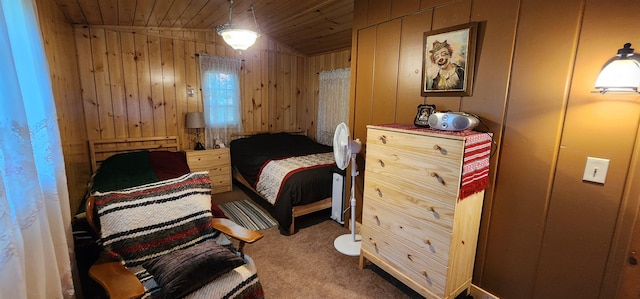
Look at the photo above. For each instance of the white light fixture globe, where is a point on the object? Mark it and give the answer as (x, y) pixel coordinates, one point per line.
(238, 38)
(621, 73)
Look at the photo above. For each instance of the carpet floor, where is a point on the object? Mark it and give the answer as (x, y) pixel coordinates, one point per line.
(306, 264)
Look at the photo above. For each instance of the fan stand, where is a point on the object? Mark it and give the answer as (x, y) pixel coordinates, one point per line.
(349, 244)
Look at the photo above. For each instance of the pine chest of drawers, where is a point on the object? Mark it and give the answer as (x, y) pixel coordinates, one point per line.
(415, 226)
(217, 162)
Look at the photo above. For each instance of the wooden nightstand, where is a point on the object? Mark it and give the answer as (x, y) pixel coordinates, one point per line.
(217, 162)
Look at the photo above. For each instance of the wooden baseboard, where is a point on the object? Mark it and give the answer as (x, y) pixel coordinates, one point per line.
(479, 293)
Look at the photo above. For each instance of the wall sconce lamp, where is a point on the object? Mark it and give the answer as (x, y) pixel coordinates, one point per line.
(621, 73)
(195, 120)
(238, 38)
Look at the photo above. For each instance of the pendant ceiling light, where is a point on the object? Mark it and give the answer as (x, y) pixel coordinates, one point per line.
(236, 37)
(621, 73)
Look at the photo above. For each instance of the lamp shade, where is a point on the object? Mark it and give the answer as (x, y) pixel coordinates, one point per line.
(195, 120)
(238, 39)
(621, 73)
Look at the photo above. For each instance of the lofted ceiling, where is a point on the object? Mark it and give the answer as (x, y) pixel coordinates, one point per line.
(308, 26)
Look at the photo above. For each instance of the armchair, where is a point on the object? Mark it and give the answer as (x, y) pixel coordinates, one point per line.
(113, 270)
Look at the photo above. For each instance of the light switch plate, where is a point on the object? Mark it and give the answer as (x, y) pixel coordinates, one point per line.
(596, 170)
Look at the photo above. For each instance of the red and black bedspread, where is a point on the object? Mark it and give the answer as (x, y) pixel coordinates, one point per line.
(251, 155)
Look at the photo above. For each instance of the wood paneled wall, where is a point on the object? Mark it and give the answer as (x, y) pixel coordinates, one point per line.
(136, 82)
(545, 233)
(58, 40)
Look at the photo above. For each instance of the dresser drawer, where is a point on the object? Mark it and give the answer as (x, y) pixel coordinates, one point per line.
(220, 175)
(438, 148)
(412, 199)
(433, 175)
(208, 159)
(412, 264)
(430, 240)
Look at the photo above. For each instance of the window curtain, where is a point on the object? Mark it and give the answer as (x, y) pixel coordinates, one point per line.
(35, 221)
(220, 77)
(333, 103)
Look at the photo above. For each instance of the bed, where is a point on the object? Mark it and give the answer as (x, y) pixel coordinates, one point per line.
(288, 170)
(147, 159)
(154, 164)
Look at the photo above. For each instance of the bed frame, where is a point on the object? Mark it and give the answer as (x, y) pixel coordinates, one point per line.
(101, 149)
(296, 211)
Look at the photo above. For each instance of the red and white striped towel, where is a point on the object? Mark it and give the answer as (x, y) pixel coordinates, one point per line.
(475, 168)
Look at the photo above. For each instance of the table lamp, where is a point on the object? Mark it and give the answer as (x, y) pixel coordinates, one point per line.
(195, 120)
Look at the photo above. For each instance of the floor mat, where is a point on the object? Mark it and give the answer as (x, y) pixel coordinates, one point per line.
(245, 213)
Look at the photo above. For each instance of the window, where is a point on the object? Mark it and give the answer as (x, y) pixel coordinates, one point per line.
(223, 99)
(220, 79)
(333, 106)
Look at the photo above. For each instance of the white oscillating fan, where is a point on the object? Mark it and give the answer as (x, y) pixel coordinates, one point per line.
(344, 149)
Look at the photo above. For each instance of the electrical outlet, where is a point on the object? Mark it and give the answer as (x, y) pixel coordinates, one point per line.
(595, 170)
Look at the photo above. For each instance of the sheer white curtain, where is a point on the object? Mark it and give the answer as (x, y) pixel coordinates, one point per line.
(35, 224)
(220, 77)
(333, 103)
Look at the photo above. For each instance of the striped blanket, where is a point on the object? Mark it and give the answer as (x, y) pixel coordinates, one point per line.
(239, 283)
(274, 173)
(144, 222)
(141, 223)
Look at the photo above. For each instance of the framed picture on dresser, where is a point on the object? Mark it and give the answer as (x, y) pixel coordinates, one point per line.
(422, 116)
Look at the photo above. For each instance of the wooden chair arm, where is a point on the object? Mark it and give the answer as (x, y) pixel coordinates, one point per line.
(119, 282)
(235, 231)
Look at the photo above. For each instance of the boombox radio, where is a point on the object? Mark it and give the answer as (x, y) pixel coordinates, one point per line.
(452, 121)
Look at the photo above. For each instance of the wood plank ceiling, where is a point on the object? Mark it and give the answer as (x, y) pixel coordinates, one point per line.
(308, 26)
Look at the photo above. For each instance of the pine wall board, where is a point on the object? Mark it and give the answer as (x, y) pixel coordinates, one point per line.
(58, 38)
(135, 82)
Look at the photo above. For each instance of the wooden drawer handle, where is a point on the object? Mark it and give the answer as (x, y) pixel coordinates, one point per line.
(427, 241)
(381, 162)
(379, 192)
(376, 219)
(440, 149)
(424, 273)
(432, 209)
(383, 139)
(438, 177)
(410, 257)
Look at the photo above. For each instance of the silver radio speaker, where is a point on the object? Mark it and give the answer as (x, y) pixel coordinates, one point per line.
(452, 121)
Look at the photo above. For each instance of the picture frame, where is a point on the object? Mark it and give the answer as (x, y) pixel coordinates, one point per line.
(448, 61)
(422, 116)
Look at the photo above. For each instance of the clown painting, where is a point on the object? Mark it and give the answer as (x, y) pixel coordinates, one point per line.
(448, 61)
